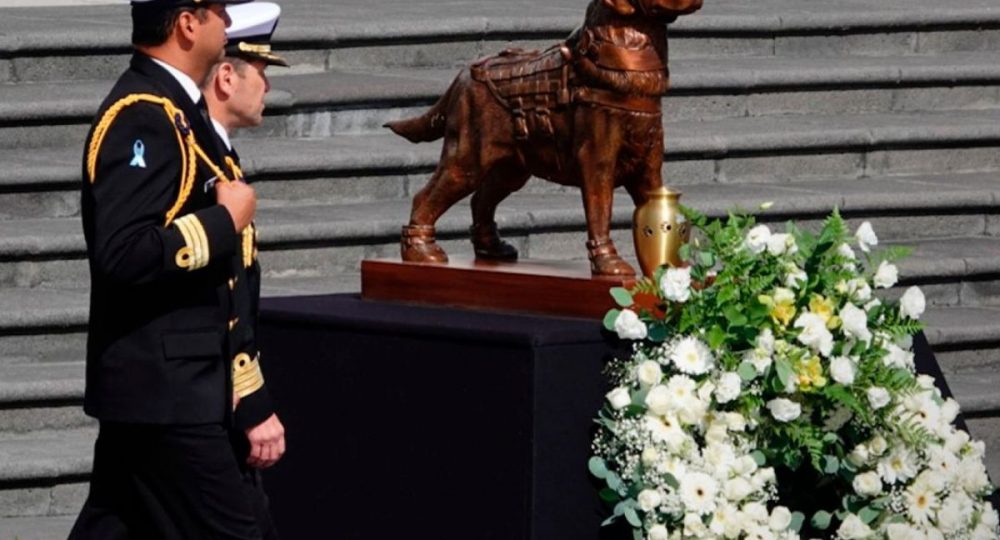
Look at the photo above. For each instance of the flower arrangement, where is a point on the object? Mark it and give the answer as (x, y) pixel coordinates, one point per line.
(770, 394)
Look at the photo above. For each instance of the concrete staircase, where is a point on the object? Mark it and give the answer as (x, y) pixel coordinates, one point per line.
(889, 110)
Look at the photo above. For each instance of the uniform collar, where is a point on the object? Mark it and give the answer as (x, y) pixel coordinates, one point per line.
(222, 134)
(186, 82)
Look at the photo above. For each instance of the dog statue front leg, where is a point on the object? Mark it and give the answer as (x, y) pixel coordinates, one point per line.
(598, 196)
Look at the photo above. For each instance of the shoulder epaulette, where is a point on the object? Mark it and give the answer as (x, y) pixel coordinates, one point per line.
(191, 152)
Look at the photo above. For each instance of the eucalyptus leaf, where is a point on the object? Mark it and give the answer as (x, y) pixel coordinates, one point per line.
(597, 467)
(831, 464)
(671, 481)
(622, 297)
(798, 518)
(610, 318)
(747, 371)
(759, 458)
(614, 481)
(784, 369)
(868, 514)
(821, 520)
(609, 495)
(632, 517)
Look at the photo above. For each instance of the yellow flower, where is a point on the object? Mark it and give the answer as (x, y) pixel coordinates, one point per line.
(783, 306)
(824, 307)
(810, 374)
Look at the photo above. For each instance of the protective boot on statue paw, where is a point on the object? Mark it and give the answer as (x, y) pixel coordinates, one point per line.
(605, 261)
(418, 244)
(488, 245)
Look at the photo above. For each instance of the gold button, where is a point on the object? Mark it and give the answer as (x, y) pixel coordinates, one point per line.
(233, 323)
(232, 283)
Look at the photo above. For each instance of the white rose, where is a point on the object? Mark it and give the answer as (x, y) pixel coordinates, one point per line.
(765, 341)
(735, 421)
(853, 528)
(619, 398)
(658, 532)
(949, 411)
(859, 456)
(859, 290)
(842, 370)
(729, 387)
(758, 238)
(795, 276)
(878, 397)
(913, 303)
(868, 484)
(814, 333)
(878, 445)
(756, 512)
(781, 519)
(760, 360)
(886, 276)
(865, 236)
(845, 251)
(649, 499)
(676, 284)
(901, 531)
(649, 373)
(659, 400)
(897, 357)
(855, 323)
(784, 410)
(737, 489)
(628, 325)
(781, 243)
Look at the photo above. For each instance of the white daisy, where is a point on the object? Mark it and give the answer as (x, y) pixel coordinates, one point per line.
(698, 491)
(693, 357)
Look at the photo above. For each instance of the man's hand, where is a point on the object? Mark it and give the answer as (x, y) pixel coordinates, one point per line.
(240, 199)
(267, 443)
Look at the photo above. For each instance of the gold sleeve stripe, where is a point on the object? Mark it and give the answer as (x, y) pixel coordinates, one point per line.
(195, 238)
(248, 245)
(247, 376)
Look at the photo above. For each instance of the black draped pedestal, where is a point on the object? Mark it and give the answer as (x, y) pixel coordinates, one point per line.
(418, 422)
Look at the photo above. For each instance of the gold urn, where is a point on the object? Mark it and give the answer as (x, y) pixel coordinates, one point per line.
(659, 229)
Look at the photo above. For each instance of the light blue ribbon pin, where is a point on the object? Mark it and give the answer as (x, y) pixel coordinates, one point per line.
(138, 151)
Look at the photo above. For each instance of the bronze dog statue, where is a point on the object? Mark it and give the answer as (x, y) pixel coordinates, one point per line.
(586, 112)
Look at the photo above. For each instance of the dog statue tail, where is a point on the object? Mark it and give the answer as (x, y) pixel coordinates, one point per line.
(427, 127)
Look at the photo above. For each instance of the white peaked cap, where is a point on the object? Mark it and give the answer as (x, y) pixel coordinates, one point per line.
(253, 20)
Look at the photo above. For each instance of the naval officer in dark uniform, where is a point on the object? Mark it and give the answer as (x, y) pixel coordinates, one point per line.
(234, 93)
(164, 221)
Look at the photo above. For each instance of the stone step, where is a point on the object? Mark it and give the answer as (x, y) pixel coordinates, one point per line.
(91, 42)
(42, 396)
(326, 239)
(39, 528)
(34, 115)
(778, 149)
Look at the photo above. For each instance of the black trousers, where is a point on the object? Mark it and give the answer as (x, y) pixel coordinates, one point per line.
(173, 483)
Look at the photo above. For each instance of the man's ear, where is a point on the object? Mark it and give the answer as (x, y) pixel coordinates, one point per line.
(225, 80)
(622, 7)
(187, 26)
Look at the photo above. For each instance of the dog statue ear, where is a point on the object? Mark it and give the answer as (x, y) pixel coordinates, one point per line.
(622, 7)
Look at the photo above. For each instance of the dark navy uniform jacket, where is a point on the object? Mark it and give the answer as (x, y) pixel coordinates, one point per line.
(166, 264)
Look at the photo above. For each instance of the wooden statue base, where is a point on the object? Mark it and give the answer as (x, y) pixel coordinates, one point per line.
(563, 288)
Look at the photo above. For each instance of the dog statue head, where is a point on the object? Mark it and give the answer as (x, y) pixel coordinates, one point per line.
(658, 9)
